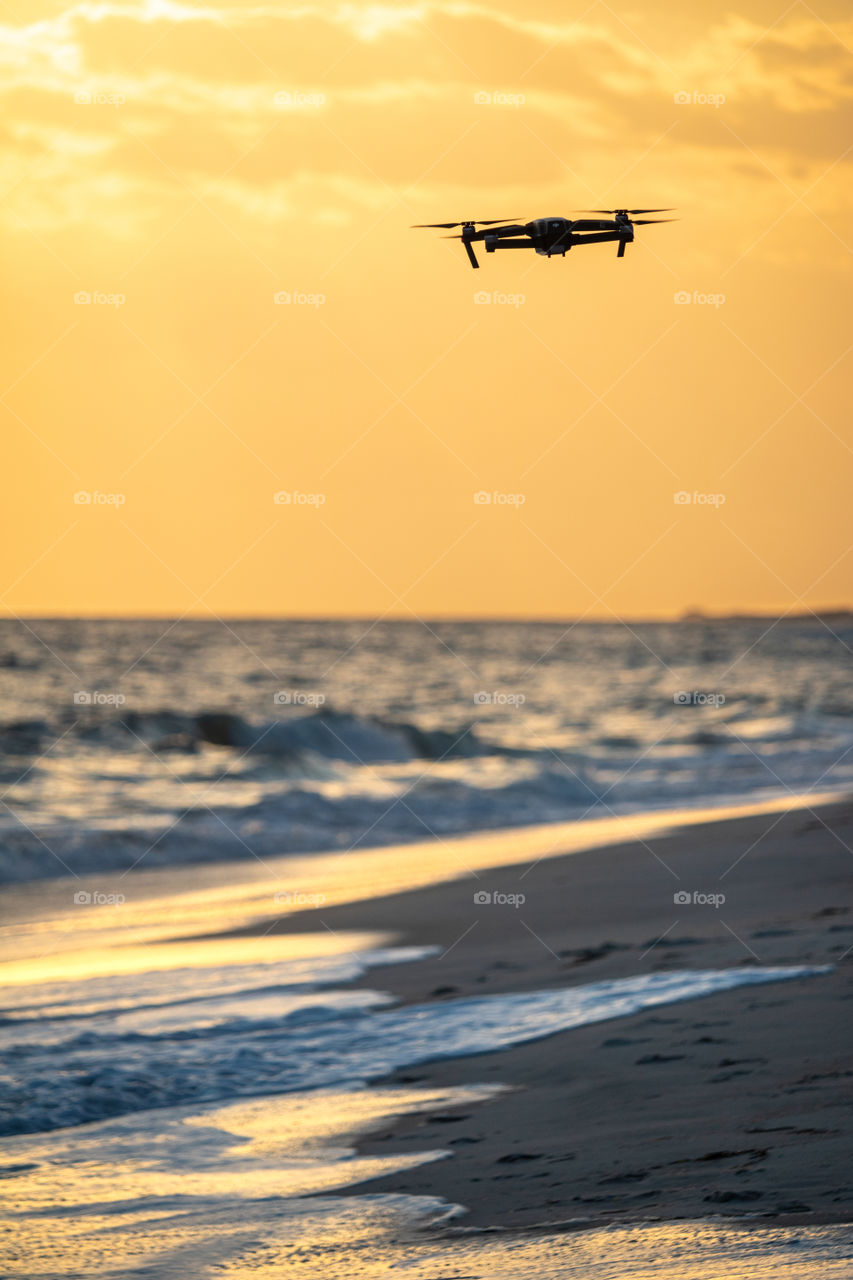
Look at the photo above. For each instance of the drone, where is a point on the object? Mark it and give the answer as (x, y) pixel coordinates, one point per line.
(549, 236)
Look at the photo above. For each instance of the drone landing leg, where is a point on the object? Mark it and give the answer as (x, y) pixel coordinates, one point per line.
(620, 252)
(471, 255)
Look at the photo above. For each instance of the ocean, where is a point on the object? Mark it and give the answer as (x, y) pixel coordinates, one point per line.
(172, 1100)
(158, 743)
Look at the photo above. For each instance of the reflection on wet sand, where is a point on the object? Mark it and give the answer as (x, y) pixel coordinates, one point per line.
(137, 1012)
(232, 1190)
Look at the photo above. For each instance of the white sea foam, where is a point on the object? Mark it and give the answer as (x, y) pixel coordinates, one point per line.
(422, 730)
(202, 1045)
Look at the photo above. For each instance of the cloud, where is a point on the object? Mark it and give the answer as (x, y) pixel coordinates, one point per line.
(382, 98)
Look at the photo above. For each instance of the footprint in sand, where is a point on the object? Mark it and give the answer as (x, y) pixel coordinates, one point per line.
(658, 1057)
(725, 1197)
(513, 1157)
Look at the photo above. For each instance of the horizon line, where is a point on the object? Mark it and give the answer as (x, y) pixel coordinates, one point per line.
(687, 615)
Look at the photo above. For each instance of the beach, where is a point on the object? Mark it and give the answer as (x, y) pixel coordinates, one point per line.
(735, 1105)
(637, 1036)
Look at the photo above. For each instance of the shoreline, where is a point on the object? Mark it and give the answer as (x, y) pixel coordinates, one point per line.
(710, 1132)
(734, 1104)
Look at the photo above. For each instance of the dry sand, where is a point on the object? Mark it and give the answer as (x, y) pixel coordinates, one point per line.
(736, 1104)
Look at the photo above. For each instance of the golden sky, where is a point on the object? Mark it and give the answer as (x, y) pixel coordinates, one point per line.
(183, 164)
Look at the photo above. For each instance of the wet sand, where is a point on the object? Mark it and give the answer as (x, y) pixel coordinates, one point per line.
(735, 1104)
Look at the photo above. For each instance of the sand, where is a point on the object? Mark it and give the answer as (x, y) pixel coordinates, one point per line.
(736, 1104)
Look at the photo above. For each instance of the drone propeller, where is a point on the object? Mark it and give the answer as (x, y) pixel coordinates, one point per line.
(650, 222)
(625, 210)
(447, 226)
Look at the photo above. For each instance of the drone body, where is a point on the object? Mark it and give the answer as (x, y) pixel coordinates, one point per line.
(550, 236)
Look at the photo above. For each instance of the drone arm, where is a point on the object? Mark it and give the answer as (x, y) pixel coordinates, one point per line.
(598, 237)
(594, 224)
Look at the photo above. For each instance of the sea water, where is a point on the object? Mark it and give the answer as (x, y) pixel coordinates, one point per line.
(174, 1108)
(157, 743)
